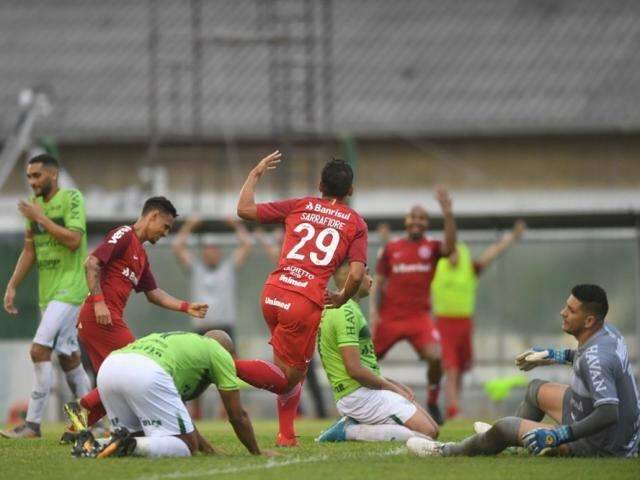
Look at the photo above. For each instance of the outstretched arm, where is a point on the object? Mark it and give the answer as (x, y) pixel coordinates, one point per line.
(242, 251)
(180, 244)
(161, 298)
(25, 261)
(450, 232)
(495, 250)
(247, 208)
(272, 249)
(375, 299)
(239, 420)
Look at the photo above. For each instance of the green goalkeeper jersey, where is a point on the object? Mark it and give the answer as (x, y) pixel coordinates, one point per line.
(61, 273)
(193, 361)
(341, 327)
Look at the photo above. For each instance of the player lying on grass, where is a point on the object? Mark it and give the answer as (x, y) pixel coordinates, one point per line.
(374, 408)
(143, 387)
(597, 415)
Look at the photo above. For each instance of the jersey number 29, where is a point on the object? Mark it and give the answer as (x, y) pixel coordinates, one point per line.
(326, 248)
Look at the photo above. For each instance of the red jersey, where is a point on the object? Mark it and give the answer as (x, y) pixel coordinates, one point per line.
(124, 267)
(409, 267)
(319, 235)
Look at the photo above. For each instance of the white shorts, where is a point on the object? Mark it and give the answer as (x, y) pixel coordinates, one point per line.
(57, 329)
(139, 395)
(373, 407)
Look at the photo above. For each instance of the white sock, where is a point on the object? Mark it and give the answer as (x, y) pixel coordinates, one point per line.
(161, 447)
(78, 381)
(42, 381)
(379, 433)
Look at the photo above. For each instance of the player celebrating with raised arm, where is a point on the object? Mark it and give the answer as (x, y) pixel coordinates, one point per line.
(117, 266)
(374, 408)
(143, 388)
(56, 238)
(598, 414)
(454, 298)
(320, 234)
(400, 302)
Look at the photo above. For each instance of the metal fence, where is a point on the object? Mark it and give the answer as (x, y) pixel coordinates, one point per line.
(166, 69)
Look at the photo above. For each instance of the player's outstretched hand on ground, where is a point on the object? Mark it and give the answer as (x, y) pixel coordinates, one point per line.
(9, 297)
(539, 440)
(268, 163)
(198, 310)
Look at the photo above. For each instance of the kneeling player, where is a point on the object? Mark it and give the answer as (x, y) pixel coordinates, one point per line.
(374, 408)
(598, 414)
(143, 387)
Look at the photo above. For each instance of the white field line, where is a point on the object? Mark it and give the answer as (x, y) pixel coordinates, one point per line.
(271, 463)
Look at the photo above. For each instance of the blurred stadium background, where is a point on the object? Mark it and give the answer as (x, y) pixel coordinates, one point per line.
(523, 108)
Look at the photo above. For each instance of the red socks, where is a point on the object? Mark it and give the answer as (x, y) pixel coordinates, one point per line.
(267, 376)
(263, 375)
(287, 411)
(92, 402)
(433, 392)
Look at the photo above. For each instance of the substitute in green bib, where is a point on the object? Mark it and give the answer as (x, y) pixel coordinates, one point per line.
(454, 300)
(374, 408)
(143, 387)
(55, 240)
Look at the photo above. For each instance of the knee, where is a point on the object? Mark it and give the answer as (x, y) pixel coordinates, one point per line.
(39, 353)
(69, 362)
(506, 428)
(531, 396)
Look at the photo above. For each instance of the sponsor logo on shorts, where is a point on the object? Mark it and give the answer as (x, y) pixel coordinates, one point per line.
(292, 281)
(411, 268)
(277, 303)
(151, 423)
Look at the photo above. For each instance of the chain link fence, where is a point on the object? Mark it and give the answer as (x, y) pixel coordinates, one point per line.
(159, 69)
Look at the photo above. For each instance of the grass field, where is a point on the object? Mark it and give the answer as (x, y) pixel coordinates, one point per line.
(45, 459)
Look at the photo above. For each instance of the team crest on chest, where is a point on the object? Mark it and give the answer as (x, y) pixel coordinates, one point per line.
(424, 252)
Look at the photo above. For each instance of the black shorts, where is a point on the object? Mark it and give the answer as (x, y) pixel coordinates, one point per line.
(581, 447)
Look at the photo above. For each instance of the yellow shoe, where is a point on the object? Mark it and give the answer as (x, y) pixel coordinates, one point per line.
(77, 415)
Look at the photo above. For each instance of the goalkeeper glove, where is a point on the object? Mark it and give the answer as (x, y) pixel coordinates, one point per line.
(540, 440)
(537, 357)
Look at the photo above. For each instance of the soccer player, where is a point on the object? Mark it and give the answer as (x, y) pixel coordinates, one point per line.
(320, 233)
(598, 414)
(213, 278)
(454, 297)
(116, 267)
(56, 239)
(374, 408)
(400, 305)
(144, 385)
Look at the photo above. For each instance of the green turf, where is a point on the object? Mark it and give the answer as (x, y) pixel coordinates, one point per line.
(45, 459)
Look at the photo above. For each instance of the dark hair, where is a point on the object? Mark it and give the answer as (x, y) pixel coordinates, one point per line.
(161, 204)
(46, 160)
(593, 298)
(337, 178)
